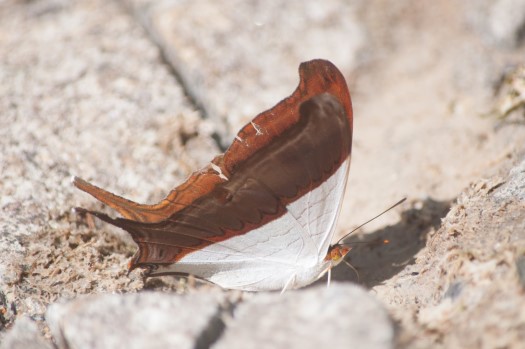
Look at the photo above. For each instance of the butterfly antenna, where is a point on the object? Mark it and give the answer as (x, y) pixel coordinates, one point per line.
(370, 220)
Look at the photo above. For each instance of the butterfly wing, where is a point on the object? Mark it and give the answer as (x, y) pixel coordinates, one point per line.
(318, 210)
(270, 202)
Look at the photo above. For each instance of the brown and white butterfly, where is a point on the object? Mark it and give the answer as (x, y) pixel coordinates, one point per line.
(262, 215)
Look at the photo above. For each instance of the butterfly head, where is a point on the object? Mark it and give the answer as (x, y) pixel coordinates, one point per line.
(337, 253)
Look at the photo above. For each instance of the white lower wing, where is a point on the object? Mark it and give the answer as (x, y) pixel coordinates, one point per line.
(265, 258)
(318, 210)
(247, 275)
(281, 240)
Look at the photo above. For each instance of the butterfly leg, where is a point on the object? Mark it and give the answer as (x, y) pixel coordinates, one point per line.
(354, 269)
(288, 284)
(328, 277)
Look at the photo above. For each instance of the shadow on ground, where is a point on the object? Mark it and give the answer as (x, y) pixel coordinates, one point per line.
(377, 261)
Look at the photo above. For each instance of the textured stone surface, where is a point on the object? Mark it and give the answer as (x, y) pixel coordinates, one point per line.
(501, 23)
(468, 270)
(239, 58)
(143, 320)
(512, 188)
(84, 91)
(342, 316)
(24, 335)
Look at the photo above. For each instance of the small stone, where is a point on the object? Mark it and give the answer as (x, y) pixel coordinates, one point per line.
(512, 188)
(24, 335)
(143, 320)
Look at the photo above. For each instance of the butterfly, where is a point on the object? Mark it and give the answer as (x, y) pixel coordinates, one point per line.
(262, 215)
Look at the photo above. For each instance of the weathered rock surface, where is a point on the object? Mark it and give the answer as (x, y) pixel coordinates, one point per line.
(142, 320)
(467, 279)
(341, 316)
(501, 23)
(240, 57)
(25, 334)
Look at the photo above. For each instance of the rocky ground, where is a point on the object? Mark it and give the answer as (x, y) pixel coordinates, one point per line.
(134, 95)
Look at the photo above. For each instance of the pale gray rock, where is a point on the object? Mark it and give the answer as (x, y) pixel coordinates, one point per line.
(342, 316)
(501, 22)
(24, 335)
(238, 58)
(513, 187)
(143, 320)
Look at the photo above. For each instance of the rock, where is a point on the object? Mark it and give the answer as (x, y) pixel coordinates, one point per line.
(500, 23)
(342, 316)
(512, 188)
(244, 56)
(24, 335)
(143, 320)
(471, 268)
